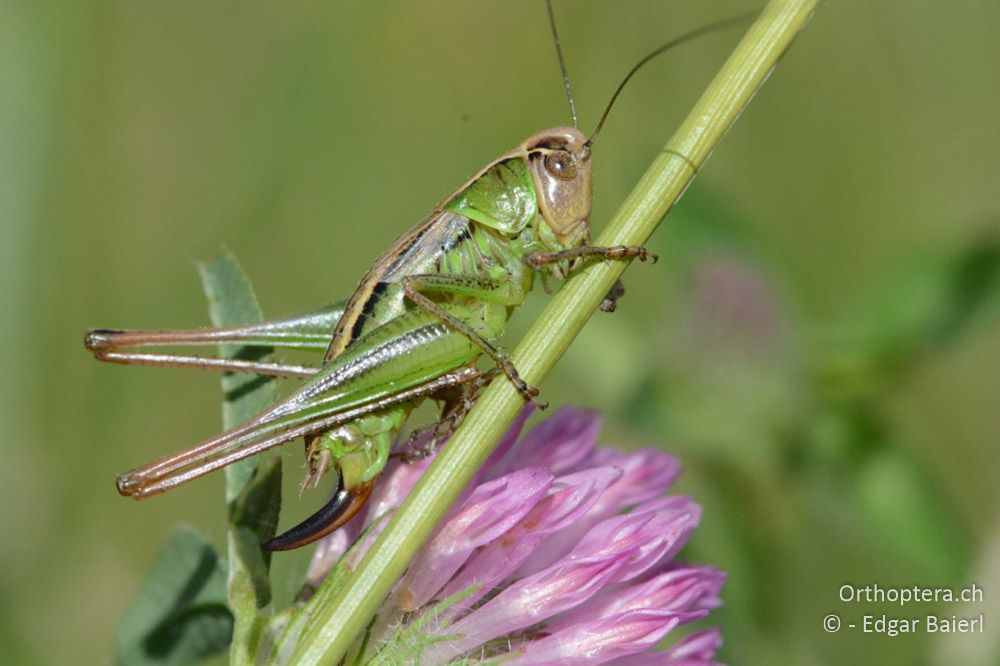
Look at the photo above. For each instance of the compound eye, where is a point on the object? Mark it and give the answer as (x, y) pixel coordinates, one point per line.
(561, 165)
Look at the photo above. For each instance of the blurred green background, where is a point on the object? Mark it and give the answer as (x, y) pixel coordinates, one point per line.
(819, 342)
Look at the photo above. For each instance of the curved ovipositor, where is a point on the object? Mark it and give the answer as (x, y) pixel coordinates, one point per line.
(343, 506)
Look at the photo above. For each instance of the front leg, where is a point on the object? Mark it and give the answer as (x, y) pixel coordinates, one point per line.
(495, 291)
(540, 259)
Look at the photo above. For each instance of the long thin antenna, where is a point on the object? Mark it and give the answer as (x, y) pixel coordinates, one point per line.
(715, 26)
(562, 64)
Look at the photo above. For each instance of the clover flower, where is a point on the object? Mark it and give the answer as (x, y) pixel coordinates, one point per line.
(559, 552)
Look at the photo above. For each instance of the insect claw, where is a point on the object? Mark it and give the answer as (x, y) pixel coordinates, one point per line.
(527, 390)
(343, 506)
(637, 251)
(530, 393)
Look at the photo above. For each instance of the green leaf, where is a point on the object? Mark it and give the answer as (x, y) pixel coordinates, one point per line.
(179, 614)
(231, 301)
(253, 489)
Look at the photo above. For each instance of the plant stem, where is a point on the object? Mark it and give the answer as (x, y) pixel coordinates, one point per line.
(339, 622)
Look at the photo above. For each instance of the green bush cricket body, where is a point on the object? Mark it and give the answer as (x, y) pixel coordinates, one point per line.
(414, 328)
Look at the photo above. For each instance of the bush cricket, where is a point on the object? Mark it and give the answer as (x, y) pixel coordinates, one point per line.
(431, 305)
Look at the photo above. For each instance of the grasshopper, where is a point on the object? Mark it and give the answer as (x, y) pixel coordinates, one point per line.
(414, 328)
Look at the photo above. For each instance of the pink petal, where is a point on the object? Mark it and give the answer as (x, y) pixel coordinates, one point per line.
(491, 509)
(618, 549)
(569, 497)
(528, 602)
(658, 528)
(600, 641)
(697, 649)
(499, 462)
(561, 441)
(614, 528)
(645, 475)
(680, 589)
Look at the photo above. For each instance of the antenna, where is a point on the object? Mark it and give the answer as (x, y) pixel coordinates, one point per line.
(715, 26)
(562, 64)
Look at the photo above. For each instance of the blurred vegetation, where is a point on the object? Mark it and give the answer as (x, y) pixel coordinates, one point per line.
(818, 342)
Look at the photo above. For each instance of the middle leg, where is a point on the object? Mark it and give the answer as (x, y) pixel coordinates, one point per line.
(416, 287)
